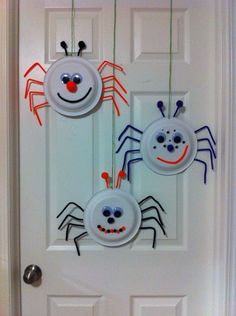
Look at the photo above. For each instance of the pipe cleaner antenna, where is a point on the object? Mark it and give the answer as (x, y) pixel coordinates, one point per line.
(121, 175)
(105, 176)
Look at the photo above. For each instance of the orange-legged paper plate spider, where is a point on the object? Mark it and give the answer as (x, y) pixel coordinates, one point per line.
(113, 217)
(72, 86)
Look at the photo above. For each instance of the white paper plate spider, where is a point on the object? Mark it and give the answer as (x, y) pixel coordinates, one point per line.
(112, 217)
(73, 86)
(168, 146)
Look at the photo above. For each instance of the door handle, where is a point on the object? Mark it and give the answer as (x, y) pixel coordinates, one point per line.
(32, 274)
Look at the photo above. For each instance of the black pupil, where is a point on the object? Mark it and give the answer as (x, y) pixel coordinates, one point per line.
(160, 139)
(77, 79)
(106, 213)
(177, 139)
(117, 214)
(65, 79)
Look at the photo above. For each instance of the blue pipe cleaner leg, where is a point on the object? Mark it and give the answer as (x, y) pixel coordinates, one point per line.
(205, 169)
(129, 163)
(126, 128)
(126, 138)
(69, 216)
(209, 131)
(210, 153)
(69, 226)
(210, 144)
(154, 234)
(76, 239)
(126, 155)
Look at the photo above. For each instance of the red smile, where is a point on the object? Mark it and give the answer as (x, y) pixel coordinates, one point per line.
(171, 162)
(111, 230)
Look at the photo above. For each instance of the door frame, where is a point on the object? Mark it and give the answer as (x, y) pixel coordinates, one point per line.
(9, 160)
(225, 214)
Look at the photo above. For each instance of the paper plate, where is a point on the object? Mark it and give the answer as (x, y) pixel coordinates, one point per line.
(88, 88)
(168, 146)
(112, 217)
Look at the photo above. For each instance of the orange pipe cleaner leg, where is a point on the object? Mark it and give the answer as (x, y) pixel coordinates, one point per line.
(108, 63)
(110, 97)
(28, 84)
(35, 110)
(31, 98)
(113, 78)
(112, 88)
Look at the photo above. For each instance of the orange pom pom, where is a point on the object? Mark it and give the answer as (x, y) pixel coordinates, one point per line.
(105, 175)
(122, 174)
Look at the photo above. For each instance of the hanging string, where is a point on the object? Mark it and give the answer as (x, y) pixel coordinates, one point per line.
(170, 58)
(72, 27)
(113, 108)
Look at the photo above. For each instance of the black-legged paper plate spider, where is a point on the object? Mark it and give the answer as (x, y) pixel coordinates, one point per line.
(113, 217)
(169, 145)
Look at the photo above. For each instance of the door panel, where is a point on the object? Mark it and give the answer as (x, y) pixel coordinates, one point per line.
(62, 161)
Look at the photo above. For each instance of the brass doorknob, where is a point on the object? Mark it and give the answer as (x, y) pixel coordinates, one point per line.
(32, 274)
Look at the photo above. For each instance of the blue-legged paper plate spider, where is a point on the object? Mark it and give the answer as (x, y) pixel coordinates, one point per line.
(112, 217)
(168, 146)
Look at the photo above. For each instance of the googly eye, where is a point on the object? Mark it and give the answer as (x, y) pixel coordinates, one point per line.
(77, 78)
(161, 137)
(106, 211)
(177, 138)
(65, 78)
(118, 212)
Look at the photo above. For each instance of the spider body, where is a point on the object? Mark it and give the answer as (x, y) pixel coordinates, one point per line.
(112, 217)
(168, 146)
(72, 86)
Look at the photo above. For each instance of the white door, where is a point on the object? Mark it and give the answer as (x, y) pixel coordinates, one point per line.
(62, 161)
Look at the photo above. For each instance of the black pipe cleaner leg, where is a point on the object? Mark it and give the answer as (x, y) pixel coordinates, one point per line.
(70, 203)
(156, 220)
(69, 227)
(76, 239)
(157, 211)
(150, 197)
(69, 216)
(154, 234)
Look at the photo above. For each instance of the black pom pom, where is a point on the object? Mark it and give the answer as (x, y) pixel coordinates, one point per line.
(64, 45)
(81, 45)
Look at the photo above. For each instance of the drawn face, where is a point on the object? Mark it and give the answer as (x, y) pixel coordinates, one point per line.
(168, 146)
(112, 217)
(72, 86)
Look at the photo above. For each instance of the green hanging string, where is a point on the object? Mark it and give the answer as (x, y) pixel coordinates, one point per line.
(72, 27)
(113, 108)
(170, 58)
